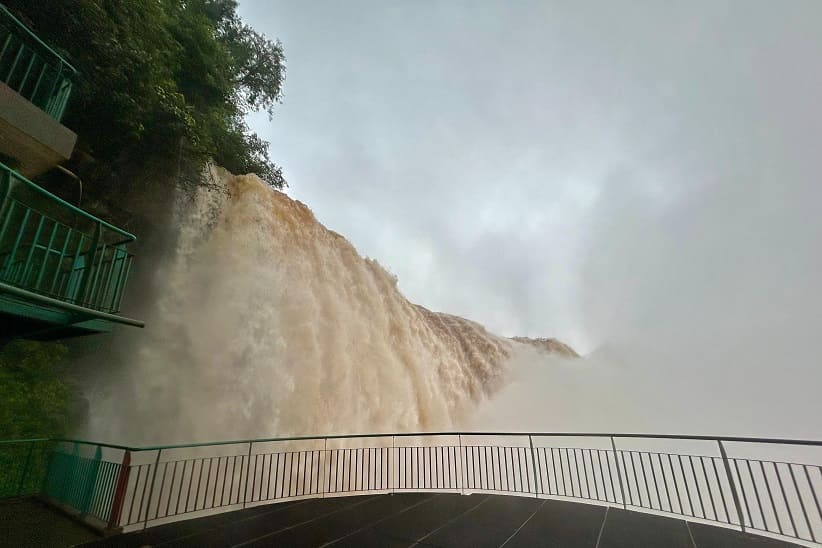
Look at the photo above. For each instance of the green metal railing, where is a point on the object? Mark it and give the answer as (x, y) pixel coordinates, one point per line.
(54, 249)
(73, 474)
(33, 69)
(85, 482)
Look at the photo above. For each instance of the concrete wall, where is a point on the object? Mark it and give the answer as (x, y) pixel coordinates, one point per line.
(36, 141)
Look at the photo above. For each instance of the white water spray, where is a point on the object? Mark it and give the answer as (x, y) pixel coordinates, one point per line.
(270, 324)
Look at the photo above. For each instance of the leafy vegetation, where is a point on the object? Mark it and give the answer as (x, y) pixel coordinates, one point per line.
(35, 396)
(160, 82)
(160, 76)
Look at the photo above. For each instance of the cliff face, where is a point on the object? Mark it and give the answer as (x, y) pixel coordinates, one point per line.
(549, 346)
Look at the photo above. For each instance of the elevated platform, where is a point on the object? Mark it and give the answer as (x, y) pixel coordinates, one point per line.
(444, 520)
(62, 271)
(34, 141)
(35, 86)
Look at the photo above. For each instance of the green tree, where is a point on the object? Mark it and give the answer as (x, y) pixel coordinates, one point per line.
(36, 398)
(155, 75)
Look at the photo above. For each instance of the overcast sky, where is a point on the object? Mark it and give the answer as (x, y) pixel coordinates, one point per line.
(590, 171)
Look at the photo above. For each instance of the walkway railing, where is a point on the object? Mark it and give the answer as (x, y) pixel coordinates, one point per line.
(51, 248)
(33, 69)
(763, 486)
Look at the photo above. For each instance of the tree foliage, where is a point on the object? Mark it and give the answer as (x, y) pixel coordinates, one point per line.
(35, 397)
(158, 73)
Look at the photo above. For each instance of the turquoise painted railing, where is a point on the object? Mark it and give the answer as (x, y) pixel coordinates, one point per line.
(84, 482)
(33, 69)
(74, 475)
(52, 248)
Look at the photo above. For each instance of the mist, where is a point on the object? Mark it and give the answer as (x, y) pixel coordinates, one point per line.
(640, 181)
(708, 309)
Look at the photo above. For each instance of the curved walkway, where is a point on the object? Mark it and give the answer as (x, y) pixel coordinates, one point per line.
(435, 519)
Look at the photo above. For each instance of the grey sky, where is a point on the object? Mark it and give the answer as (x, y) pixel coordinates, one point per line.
(592, 171)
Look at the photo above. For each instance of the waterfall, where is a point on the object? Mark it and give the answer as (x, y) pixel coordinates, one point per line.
(267, 323)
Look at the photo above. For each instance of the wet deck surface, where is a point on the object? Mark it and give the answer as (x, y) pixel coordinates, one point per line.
(424, 519)
(28, 523)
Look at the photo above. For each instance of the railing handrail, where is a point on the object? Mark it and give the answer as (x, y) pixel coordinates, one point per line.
(24, 440)
(730, 439)
(109, 487)
(74, 209)
(37, 39)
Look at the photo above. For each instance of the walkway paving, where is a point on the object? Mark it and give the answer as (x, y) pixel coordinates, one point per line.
(29, 523)
(444, 520)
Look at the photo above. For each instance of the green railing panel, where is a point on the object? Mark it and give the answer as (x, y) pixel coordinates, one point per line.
(82, 481)
(33, 69)
(52, 248)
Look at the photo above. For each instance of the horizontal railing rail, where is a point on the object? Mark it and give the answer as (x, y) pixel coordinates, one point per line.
(52, 248)
(32, 68)
(759, 485)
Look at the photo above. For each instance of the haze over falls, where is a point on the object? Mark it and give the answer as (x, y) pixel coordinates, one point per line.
(271, 324)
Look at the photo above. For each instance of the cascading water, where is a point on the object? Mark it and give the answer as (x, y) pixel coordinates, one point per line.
(270, 324)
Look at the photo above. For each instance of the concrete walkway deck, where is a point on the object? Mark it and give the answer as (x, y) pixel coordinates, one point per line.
(444, 520)
(29, 523)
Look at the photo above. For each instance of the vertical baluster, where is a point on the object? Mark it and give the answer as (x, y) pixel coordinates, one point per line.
(708, 485)
(59, 266)
(801, 504)
(46, 256)
(698, 490)
(245, 485)
(785, 498)
(602, 475)
(121, 286)
(13, 253)
(151, 489)
(731, 482)
(98, 266)
(6, 44)
(537, 475)
(619, 474)
(743, 491)
(9, 213)
(813, 490)
(721, 490)
(43, 69)
(17, 57)
(32, 58)
(27, 264)
(120, 492)
(756, 493)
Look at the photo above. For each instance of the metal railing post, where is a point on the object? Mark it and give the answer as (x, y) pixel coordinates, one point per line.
(151, 489)
(732, 483)
(247, 466)
(463, 471)
(90, 481)
(619, 475)
(21, 485)
(534, 466)
(322, 471)
(51, 450)
(325, 461)
(89, 266)
(393, 468)
(119, 497)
